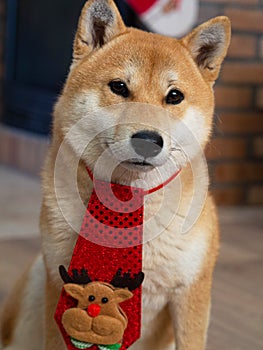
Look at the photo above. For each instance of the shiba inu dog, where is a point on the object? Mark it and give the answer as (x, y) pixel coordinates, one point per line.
(126, 84)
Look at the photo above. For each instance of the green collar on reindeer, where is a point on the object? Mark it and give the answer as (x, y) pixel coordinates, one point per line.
(82, 345)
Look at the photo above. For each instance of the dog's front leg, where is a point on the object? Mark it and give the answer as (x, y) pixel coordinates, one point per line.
(190, 310)
(53, 338)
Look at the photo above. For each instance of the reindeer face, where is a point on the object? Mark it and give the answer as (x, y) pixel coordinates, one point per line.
(101, 296)
(98, 318)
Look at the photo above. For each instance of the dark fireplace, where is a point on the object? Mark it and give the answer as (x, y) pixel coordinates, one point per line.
(38, 54)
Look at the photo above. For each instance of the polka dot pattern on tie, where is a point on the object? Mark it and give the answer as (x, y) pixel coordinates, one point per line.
(118, 228)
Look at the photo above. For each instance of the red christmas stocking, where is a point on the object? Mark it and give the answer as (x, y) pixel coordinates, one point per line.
(168, 17)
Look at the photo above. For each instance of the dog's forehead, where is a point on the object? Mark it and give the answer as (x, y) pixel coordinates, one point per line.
(153, 61)
(141, 50)
(138, 51)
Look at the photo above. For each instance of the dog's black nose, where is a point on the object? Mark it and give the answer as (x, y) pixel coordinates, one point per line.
(147, 143)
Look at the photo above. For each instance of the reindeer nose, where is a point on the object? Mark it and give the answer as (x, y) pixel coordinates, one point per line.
(93, 310)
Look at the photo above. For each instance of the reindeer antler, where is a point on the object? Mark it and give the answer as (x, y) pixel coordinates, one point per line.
(126, 281)
(77, 278)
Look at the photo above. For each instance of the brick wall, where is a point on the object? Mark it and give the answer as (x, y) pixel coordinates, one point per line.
(236, 151)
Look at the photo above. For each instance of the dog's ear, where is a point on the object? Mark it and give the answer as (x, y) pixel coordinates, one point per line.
(208, 45)
(100, 22)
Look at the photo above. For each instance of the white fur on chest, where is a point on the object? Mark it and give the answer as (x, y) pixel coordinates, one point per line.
(170, 261)
(171, 258)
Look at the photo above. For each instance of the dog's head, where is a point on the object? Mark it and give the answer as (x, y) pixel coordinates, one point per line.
(140, 102)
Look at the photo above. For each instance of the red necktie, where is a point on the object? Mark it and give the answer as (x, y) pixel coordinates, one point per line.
(107, 256)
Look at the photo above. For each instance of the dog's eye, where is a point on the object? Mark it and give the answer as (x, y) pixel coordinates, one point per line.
(91, 298)
(104, 300)
(118, 87)
(174, 97)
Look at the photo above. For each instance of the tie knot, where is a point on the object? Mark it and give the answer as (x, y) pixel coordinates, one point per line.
(118, 198)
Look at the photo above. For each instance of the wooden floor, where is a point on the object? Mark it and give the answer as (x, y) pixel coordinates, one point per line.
(237, 311)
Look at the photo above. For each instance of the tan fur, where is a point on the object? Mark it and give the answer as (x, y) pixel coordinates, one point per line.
(178, 267)
(25, 310)
(11, 310)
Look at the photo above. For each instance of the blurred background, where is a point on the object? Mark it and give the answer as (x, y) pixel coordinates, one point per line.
(35, 53)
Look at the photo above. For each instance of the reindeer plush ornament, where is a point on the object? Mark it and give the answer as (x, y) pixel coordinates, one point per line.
(97, 318)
